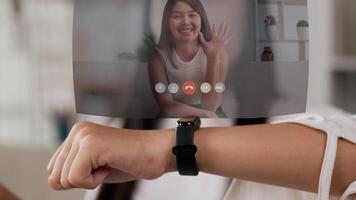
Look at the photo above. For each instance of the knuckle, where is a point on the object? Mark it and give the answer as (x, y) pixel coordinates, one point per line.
(83, 131)
(49, 168)
(80, 126)
(87, 141)
(65, 183)
(53, 183)
(74, 180)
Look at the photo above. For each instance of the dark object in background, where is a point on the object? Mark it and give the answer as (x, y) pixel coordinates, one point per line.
(251, 121)
(64, 122)
(118, 191)
(267, 55)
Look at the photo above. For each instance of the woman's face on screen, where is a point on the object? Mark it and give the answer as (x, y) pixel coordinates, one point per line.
(184, 23)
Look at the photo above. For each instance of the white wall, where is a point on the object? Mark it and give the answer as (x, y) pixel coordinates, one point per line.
(104, 29)
(320, 18)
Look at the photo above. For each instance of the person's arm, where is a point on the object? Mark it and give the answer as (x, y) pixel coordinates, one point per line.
(217, 64)
(287, 155)
(168, 105)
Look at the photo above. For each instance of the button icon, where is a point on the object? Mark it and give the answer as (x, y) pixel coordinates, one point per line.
(205, 88)
(173, 88)
(160, 88)
(189, 87)
(220, 87)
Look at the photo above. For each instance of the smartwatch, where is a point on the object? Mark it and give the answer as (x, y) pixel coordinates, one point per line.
(185, 149)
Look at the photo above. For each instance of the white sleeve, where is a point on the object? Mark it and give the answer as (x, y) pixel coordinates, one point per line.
(338, 125)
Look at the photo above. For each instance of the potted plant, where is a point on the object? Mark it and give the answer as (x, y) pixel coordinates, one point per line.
(303, 30)
(271, 28)
(147, 47)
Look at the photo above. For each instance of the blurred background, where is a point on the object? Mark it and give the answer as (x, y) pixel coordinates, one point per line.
(36, 84)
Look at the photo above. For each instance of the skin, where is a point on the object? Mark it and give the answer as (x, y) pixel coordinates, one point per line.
(5, 194)
(185, 27)
(286, 154)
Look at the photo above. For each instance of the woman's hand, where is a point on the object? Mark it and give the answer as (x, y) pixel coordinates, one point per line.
(93, 154)
(217, 44)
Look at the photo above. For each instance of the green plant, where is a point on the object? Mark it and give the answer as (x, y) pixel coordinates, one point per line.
(145, 50)
(302, 23)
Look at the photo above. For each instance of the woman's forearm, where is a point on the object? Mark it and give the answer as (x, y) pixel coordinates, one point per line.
(212, 100)
(287, 155)
(224, 66)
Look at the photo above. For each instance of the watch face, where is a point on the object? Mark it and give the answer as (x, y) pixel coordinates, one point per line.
(189, 121)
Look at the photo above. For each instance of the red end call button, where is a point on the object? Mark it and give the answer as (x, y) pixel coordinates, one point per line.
(189, 87)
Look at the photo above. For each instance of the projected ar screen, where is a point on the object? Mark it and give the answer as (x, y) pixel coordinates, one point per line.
(180, 58)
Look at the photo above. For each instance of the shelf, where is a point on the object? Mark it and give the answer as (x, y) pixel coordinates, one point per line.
(283, 41)
(285, 2)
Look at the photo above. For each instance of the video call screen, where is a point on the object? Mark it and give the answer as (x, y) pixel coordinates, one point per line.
(183, 58)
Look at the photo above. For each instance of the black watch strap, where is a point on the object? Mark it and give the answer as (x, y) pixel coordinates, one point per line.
(185, 149)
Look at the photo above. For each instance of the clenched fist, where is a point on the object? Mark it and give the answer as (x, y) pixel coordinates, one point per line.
(94, 154)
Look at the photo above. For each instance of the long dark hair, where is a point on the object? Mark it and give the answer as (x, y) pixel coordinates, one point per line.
(166, 38)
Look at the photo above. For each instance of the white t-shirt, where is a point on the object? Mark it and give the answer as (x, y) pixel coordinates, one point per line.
(193, 70)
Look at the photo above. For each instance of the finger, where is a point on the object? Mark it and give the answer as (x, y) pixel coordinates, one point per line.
(54, 158)
(228, 38)
(220, 30)
(202, 39)
(227, 33)
(81, 172)
(66, 167)
(54, 178)
(214, 30)
(226, 30)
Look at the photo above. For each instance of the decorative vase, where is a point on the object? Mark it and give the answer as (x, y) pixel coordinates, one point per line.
(267, 55)
(303, 33)
(271, 32)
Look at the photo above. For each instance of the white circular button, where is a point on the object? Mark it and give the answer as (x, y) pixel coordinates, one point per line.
(205, 88)
(173, 88)
(160, 88)
(220, 87)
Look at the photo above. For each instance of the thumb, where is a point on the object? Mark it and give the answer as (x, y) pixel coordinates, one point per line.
(100, 174)
(202, 39)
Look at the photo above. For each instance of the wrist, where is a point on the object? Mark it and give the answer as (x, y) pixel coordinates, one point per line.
(169, 138)
(145, 154)
(213, 57)
(160, 145)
